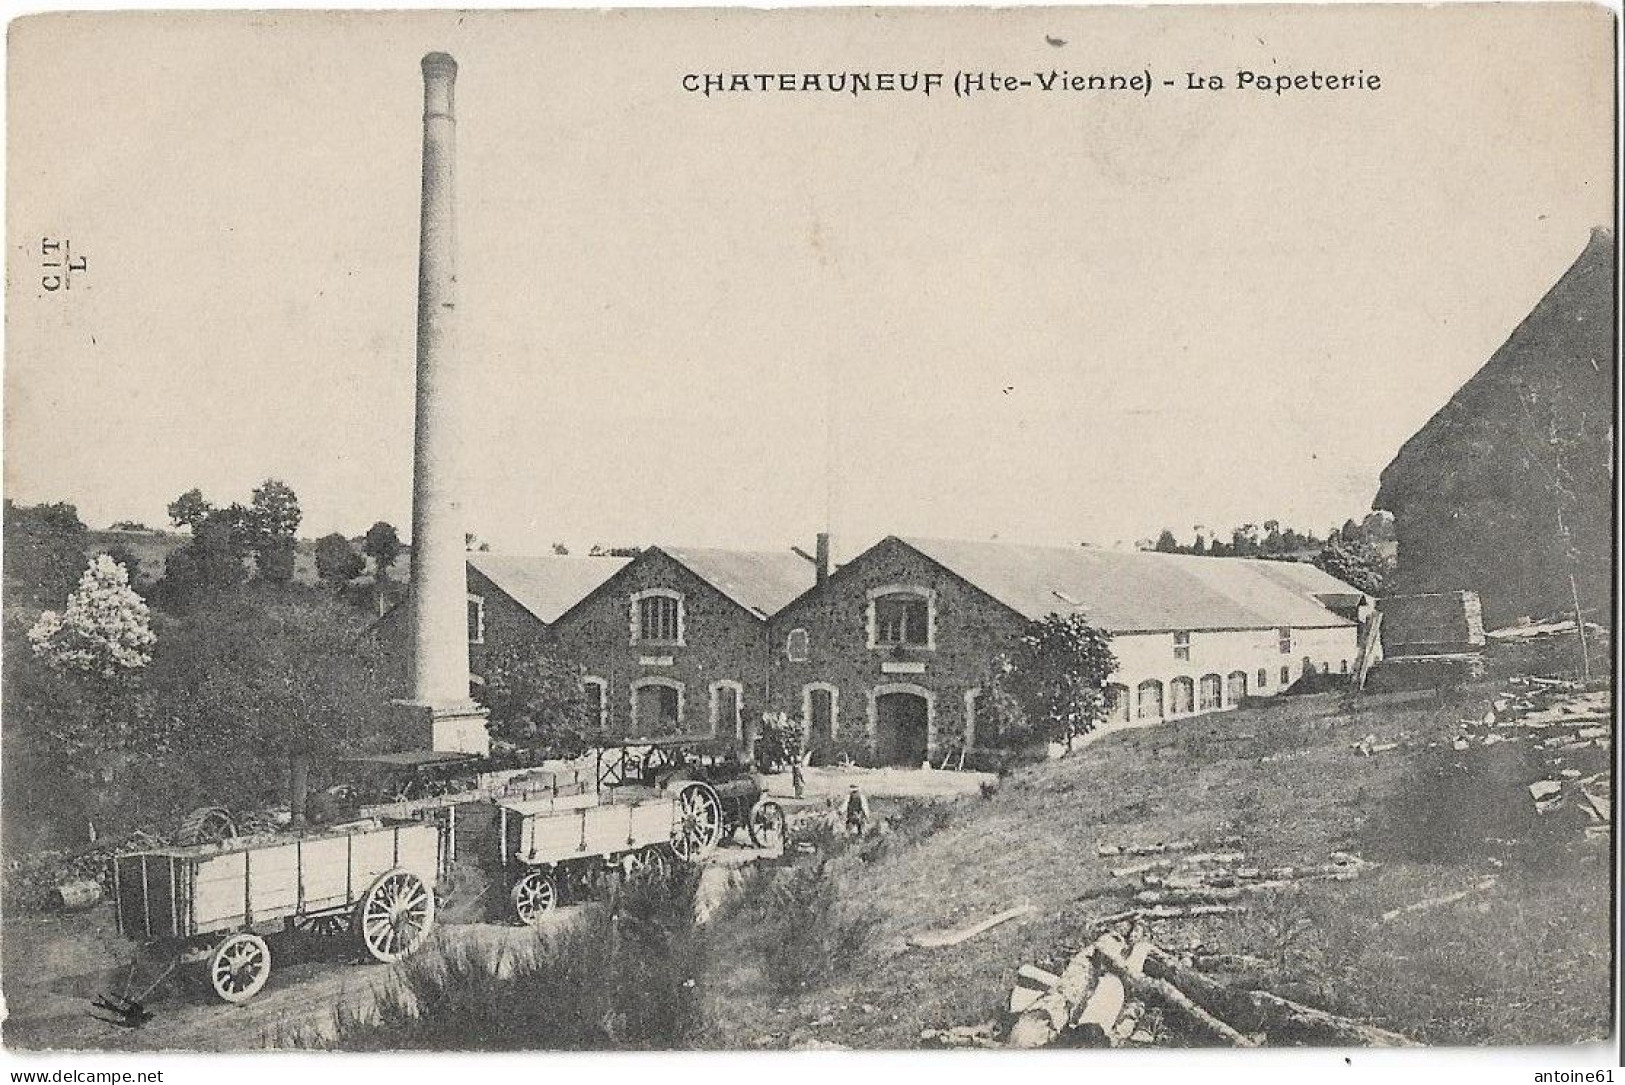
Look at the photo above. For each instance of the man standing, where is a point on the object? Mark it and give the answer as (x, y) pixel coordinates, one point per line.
(857, 811)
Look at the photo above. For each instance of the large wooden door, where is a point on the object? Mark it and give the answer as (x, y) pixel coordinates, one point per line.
(901, 728)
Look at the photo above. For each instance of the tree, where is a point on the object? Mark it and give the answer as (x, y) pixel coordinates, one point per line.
(534, 699)
(106, 629)
(275, 510)
(210, 563)
(44, 553)
(271, 523)
(336, 559)
(189, 509)
(382, 544)
(1166, 543)
(1360, 565)
(1058, 675)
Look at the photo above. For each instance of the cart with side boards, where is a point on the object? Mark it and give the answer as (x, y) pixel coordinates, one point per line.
(212, 904)
(552, 847)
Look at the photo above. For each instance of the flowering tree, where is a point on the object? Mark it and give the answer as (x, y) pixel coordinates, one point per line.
(106, 630)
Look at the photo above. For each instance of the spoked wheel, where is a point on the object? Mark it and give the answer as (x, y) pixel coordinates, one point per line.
(651, 862)
(395, 915)
(699, 821)
(533, 896)
(207, 825)
(239, 967)
(767, 827)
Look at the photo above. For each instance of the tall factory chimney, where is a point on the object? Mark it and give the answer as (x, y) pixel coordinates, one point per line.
(439, 710)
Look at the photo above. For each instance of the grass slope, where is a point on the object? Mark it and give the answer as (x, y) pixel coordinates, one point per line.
(1525, 962)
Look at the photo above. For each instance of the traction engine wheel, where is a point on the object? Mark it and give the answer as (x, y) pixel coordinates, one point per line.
(239, 967)
(395, 915)
(699, 820)
(533, 896)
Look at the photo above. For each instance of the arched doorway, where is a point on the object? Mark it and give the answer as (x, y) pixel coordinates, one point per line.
(1117, 703)
(1181, 697)
(902, 728)
(657, 707)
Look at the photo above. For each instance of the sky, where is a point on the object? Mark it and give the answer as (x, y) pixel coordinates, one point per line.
(736, 320)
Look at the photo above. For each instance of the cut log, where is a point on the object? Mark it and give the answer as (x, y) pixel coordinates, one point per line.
(1217, 998)
(1149, 987)
(1437, 902)
(1128, 1022)
(1294, 1023)
(1189, 911)
(1141, 868)
(1097, 1017)
(938, 939)
(1050, 1016)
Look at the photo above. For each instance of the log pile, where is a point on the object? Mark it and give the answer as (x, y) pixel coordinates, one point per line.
(1186, 879)
(1124, 990)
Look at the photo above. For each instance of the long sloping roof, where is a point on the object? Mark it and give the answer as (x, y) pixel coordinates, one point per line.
(1138, 591)
(761, 581)
(547, 585)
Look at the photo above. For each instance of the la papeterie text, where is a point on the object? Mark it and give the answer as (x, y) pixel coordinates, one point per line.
(972, 83)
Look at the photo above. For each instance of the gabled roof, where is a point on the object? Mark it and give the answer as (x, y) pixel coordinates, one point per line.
(761, 581)
(1139, 591)
(547, 585)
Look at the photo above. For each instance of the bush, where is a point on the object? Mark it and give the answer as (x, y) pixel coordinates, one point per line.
(798, 925)
(625, 977)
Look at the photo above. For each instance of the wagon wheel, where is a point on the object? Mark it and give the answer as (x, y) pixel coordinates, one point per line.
(395, 915)
(207, 825)
(699, 821)
(653, 862)
(767, 827)
(239, 967)
(533, 896)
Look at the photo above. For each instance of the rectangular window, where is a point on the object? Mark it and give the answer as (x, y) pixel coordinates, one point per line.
(1263, 678)
(476, 620)
(657, 618)
(901, 619)
(1182, 645)
(1284, 638)
(1286, 676)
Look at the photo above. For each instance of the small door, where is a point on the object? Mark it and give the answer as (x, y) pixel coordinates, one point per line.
(1236, 687)
(725, 712)
(820, 718)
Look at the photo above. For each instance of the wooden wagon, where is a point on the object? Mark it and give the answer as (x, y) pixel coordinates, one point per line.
(552, 846)
(212, 904)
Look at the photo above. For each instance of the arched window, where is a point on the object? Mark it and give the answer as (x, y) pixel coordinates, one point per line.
(657, 617)
(902, 617)
(1148, 700)
(1210, 693)
(1117, 703)
(1181, 697)
(1236, 687)
(796, 646)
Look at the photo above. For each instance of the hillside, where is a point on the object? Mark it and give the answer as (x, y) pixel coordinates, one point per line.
(1524, 962)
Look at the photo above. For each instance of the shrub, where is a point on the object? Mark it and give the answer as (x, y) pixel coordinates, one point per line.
(626, 976)
(798, 925)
